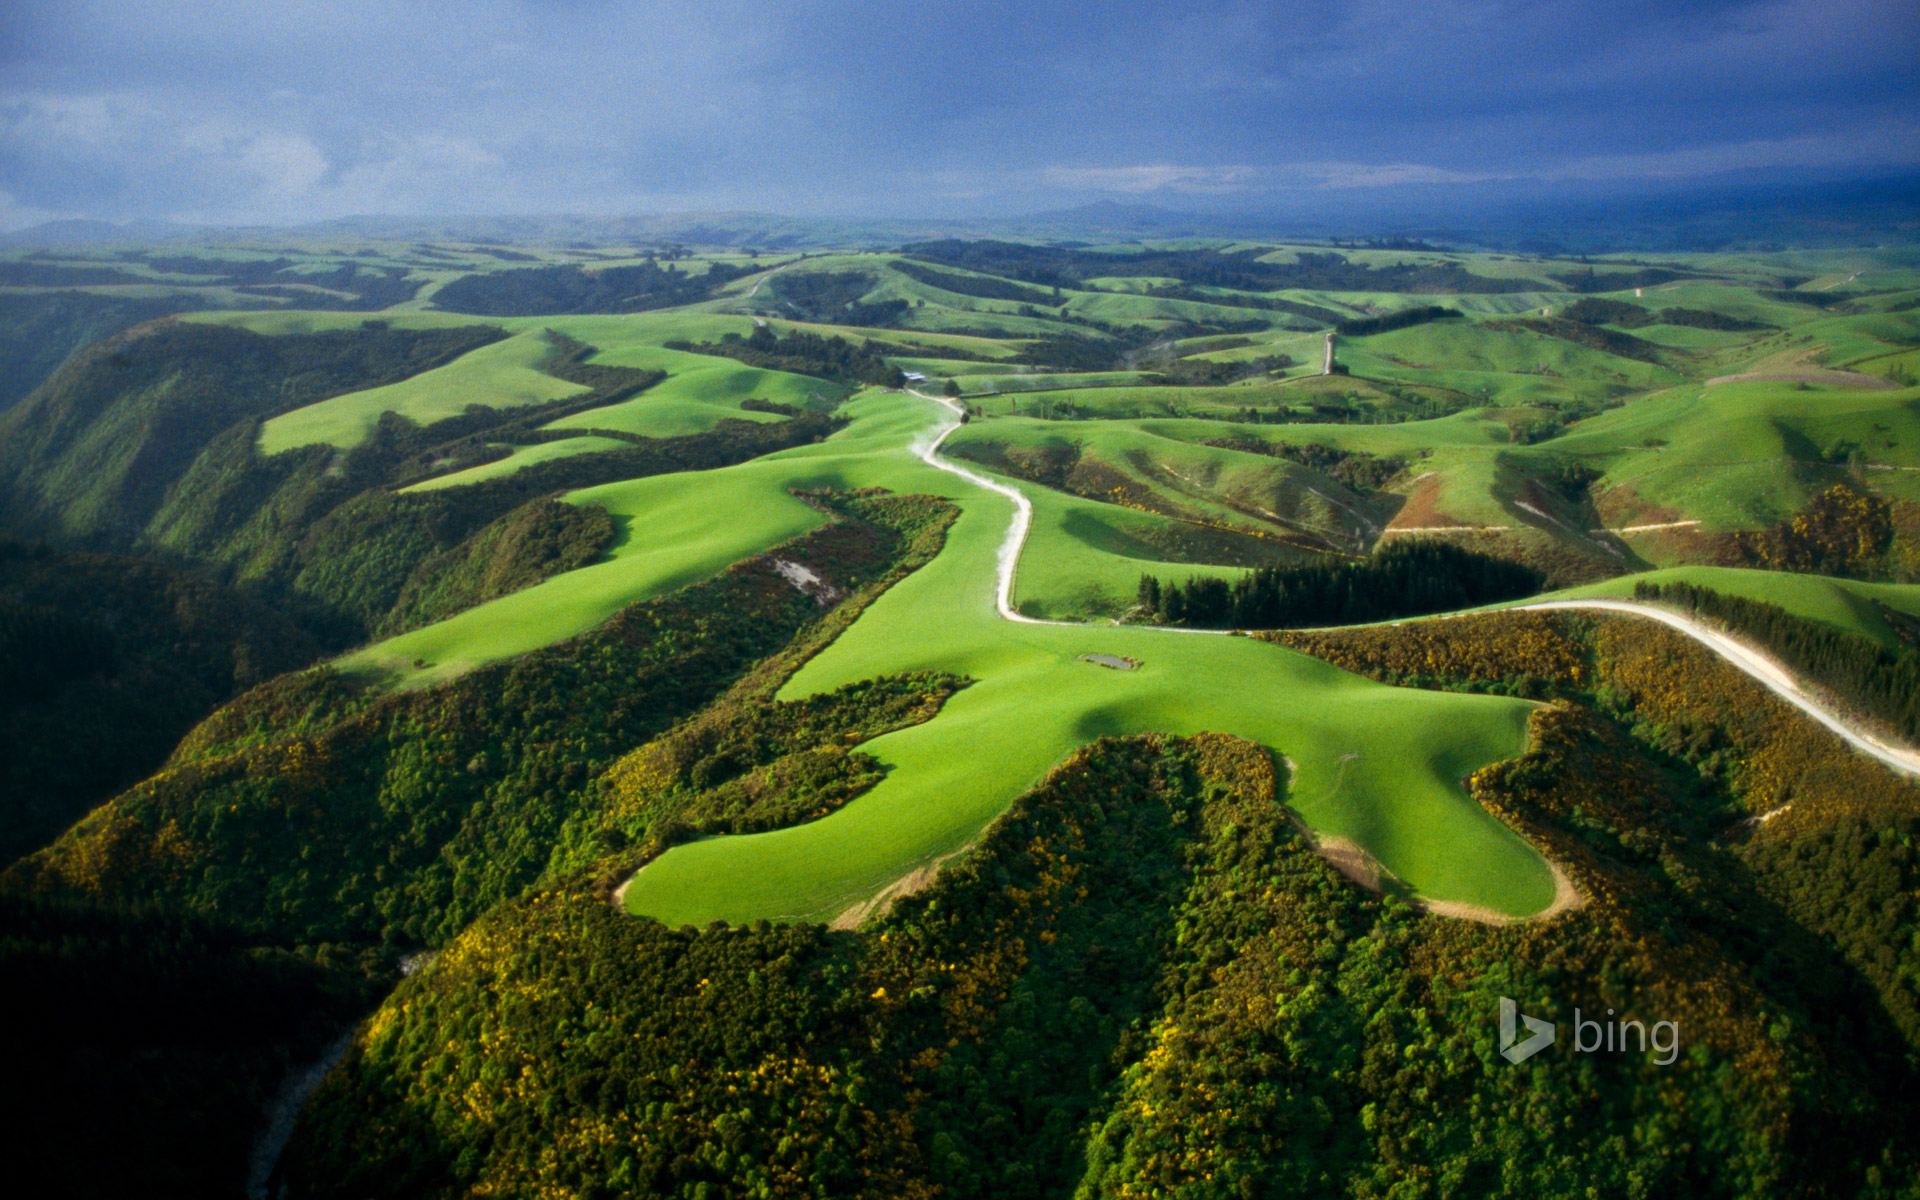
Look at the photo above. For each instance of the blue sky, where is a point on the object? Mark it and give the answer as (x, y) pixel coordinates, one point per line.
(255, 111)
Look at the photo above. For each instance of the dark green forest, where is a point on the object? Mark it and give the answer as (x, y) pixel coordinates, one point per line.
(146, 444)
(1881, 681)
(803, 353)
(141, 1044)
(1408, 578)
(223, 860)
(1402, 319)
(397, 817)
(92, 642)
(1062, 266)
(549, 291)
(1144, 982)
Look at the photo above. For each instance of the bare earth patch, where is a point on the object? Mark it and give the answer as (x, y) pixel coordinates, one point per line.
(916, 880)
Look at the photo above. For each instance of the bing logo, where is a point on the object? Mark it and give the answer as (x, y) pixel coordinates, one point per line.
(1539, 1033)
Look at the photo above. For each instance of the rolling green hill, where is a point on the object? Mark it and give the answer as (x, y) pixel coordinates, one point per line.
(668, 698)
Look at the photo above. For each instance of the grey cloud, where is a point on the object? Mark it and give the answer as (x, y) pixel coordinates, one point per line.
(236, 111)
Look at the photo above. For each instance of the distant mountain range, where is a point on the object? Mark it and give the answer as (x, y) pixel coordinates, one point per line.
(1750, 210)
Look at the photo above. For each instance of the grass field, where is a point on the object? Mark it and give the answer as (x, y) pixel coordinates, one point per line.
(1033, 703)
(1375, 764)
(505, 374)
(1737, 456)
(520, 457)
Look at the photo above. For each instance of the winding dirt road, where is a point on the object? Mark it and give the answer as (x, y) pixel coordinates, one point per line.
(928, 451)
(1763, 669)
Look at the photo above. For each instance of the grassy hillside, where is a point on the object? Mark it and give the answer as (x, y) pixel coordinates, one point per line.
(395, 819)
(650, 613)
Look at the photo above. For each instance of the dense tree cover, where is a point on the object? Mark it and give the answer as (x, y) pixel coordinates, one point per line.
(341, 549)
(804, 353)
(552, 291)
(780, 1058)
(312, 809)
(1595, 310)
(748, 763)
(38, 330)
(1793, 295)
(348, 287)
(539, 539)
(1206, 372)
(832, 298)
(1143, 981)
(142, 1047)
(1404, 318)
(148, 442)
(105, 662)
(92, 453)
(1591, 280)
(1063, 266)
(1406, 578)
(1837, 833)
(16, 273)
(1842, 531)
(1855, 881)
(1882, 681)
(1358, 469)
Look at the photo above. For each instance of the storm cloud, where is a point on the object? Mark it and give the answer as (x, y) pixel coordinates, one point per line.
(244, 112)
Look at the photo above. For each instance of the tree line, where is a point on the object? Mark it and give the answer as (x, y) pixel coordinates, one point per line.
(801, 353)
(1387, 322)
(1403, 579)
(1882, 680)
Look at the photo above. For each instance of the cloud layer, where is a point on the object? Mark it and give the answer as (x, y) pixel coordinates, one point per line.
(241, 112)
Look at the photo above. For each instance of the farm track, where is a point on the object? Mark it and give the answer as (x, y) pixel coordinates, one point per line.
(1759, 666)
(1769, 673)
(927, 445)
(1016, 540)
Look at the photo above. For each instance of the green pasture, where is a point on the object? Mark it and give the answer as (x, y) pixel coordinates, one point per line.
(505, 374)
(973, 386)
(1218, 488)
(1377, 764)
(1496, 366)
(1083, 559)
(520, 457)
(674, 530)
(1743, 455)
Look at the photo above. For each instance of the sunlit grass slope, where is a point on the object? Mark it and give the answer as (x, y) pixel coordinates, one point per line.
(1743, 455)
(505, 374)
(1377, 764)
(520, 457)
(675, 530)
